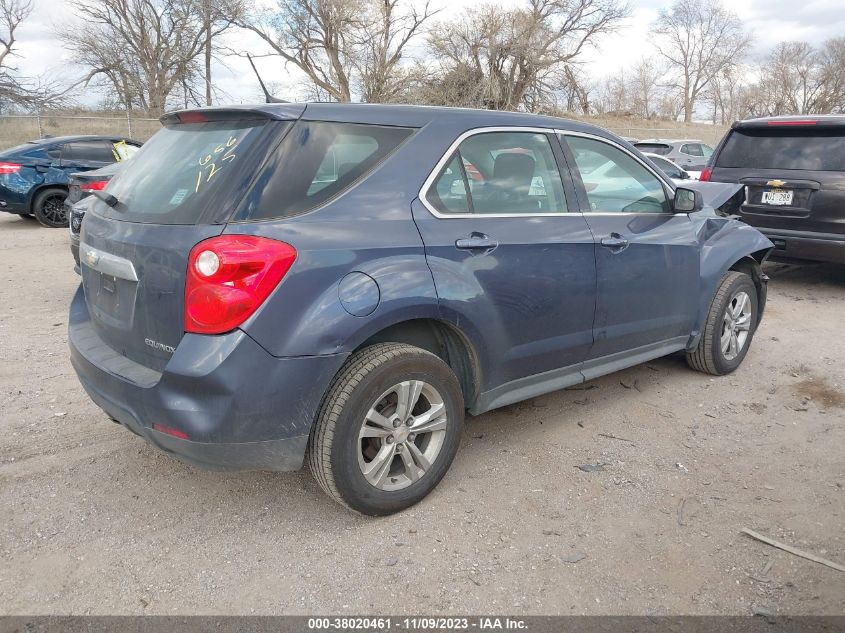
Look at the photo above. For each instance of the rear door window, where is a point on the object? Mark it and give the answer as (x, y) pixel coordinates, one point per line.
(189, 173)
(506, 173)
(88, 151)
(449, 192)
(692, 149)
(317, 161)
(810, 150)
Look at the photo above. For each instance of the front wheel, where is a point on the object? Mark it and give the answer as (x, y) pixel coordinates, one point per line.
(49, 207)
(729, 327)
(388, 429)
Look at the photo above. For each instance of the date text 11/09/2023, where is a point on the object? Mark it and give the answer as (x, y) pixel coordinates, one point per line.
(417, 623)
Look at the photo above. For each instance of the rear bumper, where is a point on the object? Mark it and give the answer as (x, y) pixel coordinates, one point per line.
(804, 245)
(240, 407)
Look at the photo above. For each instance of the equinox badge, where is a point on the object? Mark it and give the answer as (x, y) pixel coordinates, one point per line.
(156, 345)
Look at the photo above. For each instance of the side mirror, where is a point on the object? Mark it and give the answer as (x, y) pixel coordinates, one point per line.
(685, 175)
(687, 200)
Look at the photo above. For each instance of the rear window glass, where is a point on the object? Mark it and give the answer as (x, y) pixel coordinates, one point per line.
(811, 150)
(186, 173)
(317, 161)
(654, 148)
(99, 151)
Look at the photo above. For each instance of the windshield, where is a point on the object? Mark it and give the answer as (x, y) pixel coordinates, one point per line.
(186, 173)
(810, 150)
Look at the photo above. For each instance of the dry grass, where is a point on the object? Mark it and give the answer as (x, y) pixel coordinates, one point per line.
(650, 128)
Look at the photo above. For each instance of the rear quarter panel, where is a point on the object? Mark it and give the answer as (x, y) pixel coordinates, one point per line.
(368, 229)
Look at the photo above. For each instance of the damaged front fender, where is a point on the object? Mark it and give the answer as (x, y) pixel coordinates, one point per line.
(725, 244)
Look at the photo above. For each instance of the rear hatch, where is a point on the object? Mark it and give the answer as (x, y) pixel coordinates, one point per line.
(793, 172)
(178, 190)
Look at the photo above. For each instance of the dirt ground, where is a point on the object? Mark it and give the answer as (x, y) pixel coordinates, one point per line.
(96, 522)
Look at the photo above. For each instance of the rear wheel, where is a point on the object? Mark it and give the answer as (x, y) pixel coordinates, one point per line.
(729, 327)
(388, 429)
(49, 207)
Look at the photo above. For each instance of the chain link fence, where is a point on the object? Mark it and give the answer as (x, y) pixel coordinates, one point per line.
(710, 134)
(17, 129)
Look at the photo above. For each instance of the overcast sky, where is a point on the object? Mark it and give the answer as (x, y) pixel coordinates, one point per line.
(770, 21)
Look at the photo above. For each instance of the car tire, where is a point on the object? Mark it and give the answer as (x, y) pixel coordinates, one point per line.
(49, 208)
(729, 328)
(364, 450)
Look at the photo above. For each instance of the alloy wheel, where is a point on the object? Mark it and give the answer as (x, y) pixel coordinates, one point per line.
(736, 325)
(402, 435)
(53, 208)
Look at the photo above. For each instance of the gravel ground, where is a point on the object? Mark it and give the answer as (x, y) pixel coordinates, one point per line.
(97, 522)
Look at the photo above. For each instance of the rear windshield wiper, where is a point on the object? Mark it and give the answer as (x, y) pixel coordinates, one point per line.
(106, 197)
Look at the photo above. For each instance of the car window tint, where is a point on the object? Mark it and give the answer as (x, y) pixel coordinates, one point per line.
(669, 168)
(316, 161)
(512, 172)
(653, 148)
(708, 151)
(622, 185)
(186, 173)
(99, 151)
(692, 149)
(812, 150)
(448, 193)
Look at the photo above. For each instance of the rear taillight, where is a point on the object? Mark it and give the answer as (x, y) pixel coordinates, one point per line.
(229, 277)
(97, 185)
(9, 168)
(705, 174)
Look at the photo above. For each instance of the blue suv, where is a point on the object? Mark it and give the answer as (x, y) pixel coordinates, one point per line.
(34, 176)
(339, 283)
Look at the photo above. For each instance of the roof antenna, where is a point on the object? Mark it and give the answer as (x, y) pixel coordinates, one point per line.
(268, 98)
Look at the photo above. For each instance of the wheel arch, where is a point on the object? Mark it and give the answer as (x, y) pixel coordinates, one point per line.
(729, 245)
(752, 265)
(33, 193)
(442, 339)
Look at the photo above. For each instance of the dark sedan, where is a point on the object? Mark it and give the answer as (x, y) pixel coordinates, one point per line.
(34, 176)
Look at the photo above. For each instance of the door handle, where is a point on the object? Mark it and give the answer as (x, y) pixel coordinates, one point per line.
(476, 242)
(614, 242)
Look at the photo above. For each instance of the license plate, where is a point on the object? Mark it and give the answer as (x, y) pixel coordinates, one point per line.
(777, 197)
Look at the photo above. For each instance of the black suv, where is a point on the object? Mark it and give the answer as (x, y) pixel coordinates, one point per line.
(793, 169)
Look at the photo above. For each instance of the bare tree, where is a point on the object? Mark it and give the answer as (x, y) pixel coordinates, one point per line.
(147, 50)
(16, 90)
(645, 88)
(385, 35)
(797, 78)
(699, 39)
(344, 46)
(522, 52)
